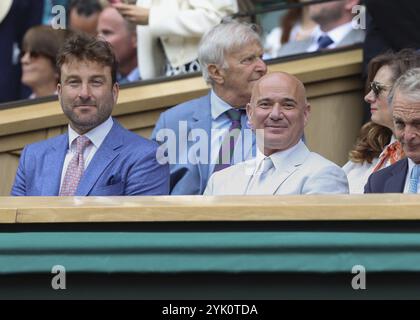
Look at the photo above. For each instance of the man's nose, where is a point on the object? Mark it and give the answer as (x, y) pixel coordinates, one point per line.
(276, 112)
(410, 132)
(261, 66)
(84, 92)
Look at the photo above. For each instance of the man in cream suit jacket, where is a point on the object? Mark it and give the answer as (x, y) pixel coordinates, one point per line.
(278, 111)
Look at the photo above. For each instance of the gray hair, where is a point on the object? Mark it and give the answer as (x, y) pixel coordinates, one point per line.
(409, 84)
(225, 37)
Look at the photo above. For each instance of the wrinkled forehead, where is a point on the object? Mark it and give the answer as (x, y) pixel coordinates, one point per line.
(406, 105)
(252, 46)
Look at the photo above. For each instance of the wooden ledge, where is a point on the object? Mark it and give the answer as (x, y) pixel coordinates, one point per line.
(201, 208)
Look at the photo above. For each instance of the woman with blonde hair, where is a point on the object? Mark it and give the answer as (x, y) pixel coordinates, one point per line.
(376, 146)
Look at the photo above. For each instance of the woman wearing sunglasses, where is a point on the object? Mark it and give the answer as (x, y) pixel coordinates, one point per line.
(376, 146)
(39, 48)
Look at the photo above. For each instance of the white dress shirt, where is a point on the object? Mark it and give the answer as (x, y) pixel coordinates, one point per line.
(96, 136)
(336, 35)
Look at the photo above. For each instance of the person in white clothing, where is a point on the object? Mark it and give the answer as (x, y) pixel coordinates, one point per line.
(377, 147)
(279, 112)
(169, 31)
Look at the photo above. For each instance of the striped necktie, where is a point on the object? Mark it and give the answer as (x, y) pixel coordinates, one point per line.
(225, 156)
(75, 168)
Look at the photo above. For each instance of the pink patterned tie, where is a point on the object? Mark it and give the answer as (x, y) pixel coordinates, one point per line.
(75, 168)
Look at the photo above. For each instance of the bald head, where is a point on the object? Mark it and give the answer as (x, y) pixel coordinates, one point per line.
(280, 81)
(279, 109)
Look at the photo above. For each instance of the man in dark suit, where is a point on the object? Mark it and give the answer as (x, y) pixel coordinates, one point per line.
(403, 176)
(97, 157)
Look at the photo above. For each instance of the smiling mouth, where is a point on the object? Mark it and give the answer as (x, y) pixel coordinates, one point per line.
(85, 106)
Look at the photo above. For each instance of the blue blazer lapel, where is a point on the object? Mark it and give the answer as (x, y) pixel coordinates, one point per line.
(102, 158)
(54, 160)
(396, 181)
(202, 120)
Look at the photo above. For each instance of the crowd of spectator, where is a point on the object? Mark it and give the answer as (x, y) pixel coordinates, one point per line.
(108, 43)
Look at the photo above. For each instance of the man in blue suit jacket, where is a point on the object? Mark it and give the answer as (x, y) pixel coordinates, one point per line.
(230, 57)
(111, 160)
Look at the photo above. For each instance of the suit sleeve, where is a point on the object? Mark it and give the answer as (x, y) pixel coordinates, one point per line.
(368, 186)
(19, 186)
(148, 176)
(327, 180)
(160, 124)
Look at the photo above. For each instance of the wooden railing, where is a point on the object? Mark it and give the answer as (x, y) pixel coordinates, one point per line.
(201, 208)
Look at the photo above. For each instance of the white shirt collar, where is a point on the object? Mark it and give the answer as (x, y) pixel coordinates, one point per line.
(337, 34)
(96, 135)
(278, 158)
(218, 106)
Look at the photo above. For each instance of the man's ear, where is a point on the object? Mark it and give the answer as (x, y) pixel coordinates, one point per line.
(115, 92)
(216, 73)
(306, 113)
(59, 91)
(249, 112)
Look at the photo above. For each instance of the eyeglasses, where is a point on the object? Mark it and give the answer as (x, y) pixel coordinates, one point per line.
(377, 87)
(32, 54)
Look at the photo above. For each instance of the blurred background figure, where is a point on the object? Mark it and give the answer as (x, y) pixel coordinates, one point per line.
(377, 147)
(38, 58)
(391, 25)
(295, 25)
(334, 29)
(122, 36)
(48, 14)
(16, 17)
(169, 31)
(83, 15)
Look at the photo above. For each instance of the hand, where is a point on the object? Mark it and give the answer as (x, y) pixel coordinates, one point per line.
(133, 13)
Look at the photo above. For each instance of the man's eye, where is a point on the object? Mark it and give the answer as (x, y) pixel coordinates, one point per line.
(399, 124)
(97, 82)
(248, 60)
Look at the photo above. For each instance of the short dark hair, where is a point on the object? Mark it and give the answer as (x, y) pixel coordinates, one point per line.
(85, 7)
(82, 46)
